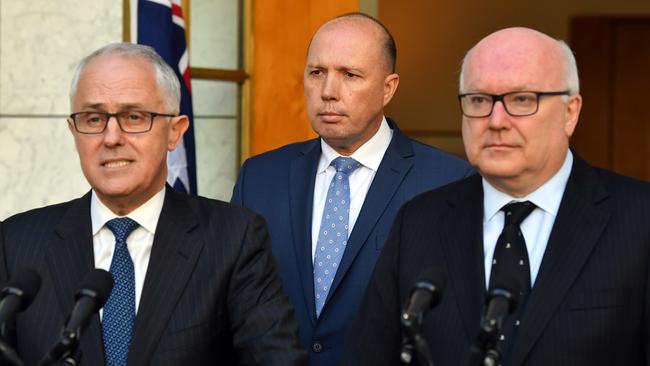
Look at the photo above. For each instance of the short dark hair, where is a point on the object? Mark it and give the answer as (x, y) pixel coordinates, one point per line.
(390, 49)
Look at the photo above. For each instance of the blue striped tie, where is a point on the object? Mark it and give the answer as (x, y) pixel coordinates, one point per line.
(333, 232)
(119, 311)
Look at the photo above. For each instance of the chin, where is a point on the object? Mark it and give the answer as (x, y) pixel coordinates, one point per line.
(112, 188)
(497, 170)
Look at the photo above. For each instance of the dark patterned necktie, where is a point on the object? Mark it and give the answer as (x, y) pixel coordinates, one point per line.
(119, 311)
(510, 265)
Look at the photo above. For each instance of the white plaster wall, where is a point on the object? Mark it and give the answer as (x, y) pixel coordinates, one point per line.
(40, 43)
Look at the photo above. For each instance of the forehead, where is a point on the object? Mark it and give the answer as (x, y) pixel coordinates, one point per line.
(511, 62)
(350, 42)
(117, 78)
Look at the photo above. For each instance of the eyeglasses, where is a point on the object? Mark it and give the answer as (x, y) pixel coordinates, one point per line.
(129, 121)
(516, 104)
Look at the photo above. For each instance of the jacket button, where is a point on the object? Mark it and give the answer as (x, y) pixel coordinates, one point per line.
(317, 347)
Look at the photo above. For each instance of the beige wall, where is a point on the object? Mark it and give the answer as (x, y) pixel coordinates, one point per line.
(433, 35)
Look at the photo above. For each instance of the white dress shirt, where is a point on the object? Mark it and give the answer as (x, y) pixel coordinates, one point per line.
(139, 242)
(369, 155)
(536, 228)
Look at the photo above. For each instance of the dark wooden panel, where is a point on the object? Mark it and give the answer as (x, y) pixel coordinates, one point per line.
(591, 42)
(631, 104)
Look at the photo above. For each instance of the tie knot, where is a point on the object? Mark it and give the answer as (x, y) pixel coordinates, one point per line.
(516, 212)
(121, 228)
(345, 165)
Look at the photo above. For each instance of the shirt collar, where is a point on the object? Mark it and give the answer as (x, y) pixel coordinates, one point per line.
(146, 215)
(547, 197)
(369, 154)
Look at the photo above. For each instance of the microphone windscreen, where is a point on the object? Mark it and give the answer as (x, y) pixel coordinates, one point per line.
(24, 283)
(97, 284)
(436, 276)
(508, 287)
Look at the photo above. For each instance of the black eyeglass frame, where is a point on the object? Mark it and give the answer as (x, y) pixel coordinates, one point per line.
(152, 116)
(500, 98)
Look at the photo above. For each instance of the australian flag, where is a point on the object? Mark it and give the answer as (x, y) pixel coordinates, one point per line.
(160, 24)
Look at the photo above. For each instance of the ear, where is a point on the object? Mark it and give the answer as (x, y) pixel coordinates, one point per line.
(572, 114)
(177, 127)
(390, 86)
(71, 126)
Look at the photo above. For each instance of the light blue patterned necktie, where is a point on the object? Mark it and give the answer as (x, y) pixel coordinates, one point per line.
(333, 233)
(119, 311)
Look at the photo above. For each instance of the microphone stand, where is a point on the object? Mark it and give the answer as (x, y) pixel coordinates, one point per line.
(485, 351)
(65, 352)
(8, 355)
(413, 341)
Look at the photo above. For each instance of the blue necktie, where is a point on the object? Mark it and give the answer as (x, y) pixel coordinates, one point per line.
(333, 232)
(119, 311)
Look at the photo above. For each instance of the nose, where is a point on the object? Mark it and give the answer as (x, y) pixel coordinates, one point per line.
(330, 89)
(499, 118)
(113, 132)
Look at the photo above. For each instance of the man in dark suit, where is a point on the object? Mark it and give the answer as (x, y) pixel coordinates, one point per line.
(198, 273)
(349, 78)
(583, 248)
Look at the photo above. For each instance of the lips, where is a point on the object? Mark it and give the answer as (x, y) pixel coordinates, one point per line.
(331, 116)
(117, 163)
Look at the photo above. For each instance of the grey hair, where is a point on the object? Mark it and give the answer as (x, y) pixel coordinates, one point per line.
(571, 69)
(165, 76)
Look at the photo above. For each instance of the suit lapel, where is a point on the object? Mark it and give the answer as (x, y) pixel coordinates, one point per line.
(302, 175)
(396, 163)
(69, 260)
(174, 255)
(579, 224)
(461, 237)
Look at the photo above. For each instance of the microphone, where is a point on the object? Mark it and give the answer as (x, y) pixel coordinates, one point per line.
(425, 294)
(18, 293)
(501, 302)
(91, 296)
(15, 297)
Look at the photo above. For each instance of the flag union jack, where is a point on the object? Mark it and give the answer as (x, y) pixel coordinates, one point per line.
(160, 24)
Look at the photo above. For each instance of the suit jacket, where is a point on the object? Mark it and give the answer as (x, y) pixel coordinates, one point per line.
(280, 186)
(211, 293)
(590, 304)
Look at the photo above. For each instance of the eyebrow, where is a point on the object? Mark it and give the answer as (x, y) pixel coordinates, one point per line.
(102, 106)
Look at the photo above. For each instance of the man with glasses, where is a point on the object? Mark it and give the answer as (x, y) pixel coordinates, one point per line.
(562, 246)
(194, 279)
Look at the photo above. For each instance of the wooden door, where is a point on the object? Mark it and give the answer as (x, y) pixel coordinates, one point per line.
(613, 56)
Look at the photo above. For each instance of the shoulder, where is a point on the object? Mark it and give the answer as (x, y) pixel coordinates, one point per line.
(625, 189)
(440, 200)
(426, 156)
(432, 153)
(216, 213)
(39, 217)
(282, 154)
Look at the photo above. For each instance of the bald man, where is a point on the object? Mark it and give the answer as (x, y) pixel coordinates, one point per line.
(329, 202)
(569, 243)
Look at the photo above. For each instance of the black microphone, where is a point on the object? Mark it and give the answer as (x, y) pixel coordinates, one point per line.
(425, 294)
(91, 296)
(16, 296)
(18, 293)
(501, 302)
